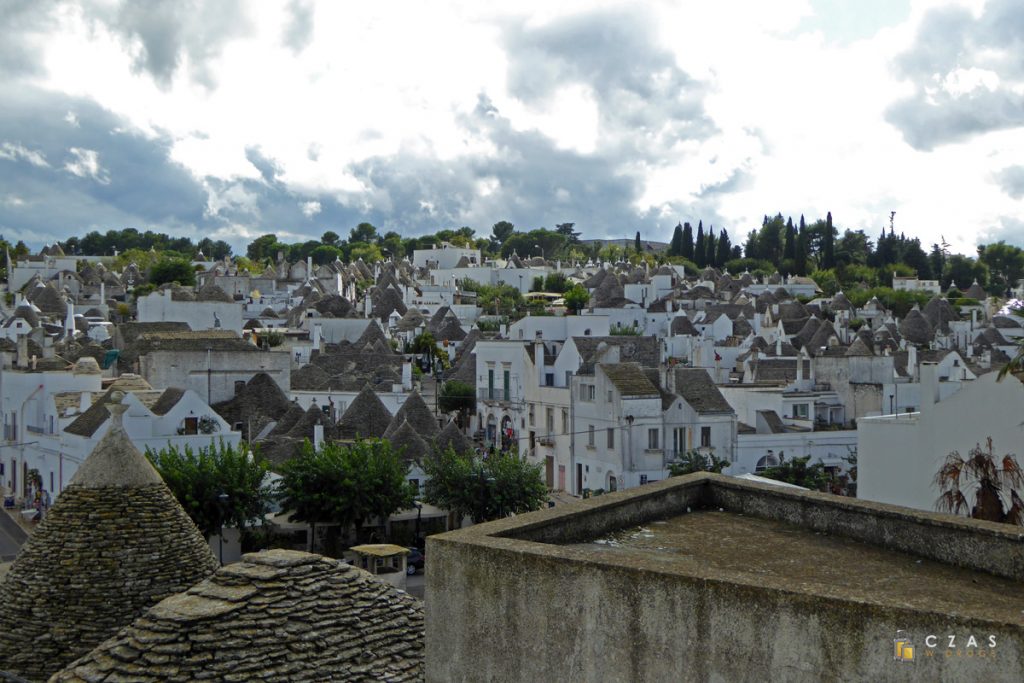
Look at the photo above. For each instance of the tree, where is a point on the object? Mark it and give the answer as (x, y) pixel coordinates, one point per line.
(636, 243)
(214, 250)
(724, 250)
(198, 478)
(577, 298)
(264, 247)
(330, 238)
(483, 488)
(800, 257)
(675, 246)
(797, 471)
(993, 481)
(502, 230)
(699, 249)
(790, 250)
(566, 229)
(709, 248)
(962, 271)
(458, 397)
(1005, 263)
(828, 259)
(172, 270)
(346, 485)
(695, 461)
(325, 253)
(556, 282)
(687, 252)
(364, 232)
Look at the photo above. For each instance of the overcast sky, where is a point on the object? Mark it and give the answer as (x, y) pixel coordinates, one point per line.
(231, 119)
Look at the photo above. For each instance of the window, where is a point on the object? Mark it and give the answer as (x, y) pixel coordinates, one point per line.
(652, 439)
(590, 392)
(800, 411)
(565, 420)
(590, 435)
(51, 482)
(705, 436)
(643, 479)
(611, 438)
(531, 414)
(549, 420)
(549, 379)
(766, 462)
(609, 396)
(679, 440)
(239, 385)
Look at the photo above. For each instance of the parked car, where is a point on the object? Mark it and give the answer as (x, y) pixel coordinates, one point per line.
(414, 561)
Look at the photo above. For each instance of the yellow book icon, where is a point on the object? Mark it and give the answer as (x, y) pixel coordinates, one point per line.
(903, 648)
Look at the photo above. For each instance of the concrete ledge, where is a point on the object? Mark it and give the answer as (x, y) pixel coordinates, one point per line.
(514, 600)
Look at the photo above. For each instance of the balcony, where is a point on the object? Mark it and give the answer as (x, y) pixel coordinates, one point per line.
(499, 395)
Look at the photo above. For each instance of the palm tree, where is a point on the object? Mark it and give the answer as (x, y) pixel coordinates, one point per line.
(994, 482)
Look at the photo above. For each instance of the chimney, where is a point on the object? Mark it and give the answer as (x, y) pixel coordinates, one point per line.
(929, 387)
(317, 337)
(407, 375)
(538, 358)
(318, 436)
(22, 360)
(309, 267)
(778, 346)
(912, 362)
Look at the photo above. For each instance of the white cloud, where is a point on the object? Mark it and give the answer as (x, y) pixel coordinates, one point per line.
(85, 163)
(795, 121)
(15, 152)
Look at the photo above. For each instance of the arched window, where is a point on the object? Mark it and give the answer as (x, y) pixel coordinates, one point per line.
(766, 462)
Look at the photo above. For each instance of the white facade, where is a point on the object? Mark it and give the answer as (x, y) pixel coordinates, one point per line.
(199, 315)
(912, 284)
(899, 455)
(755, 452)
(445, 257)
(502, 372)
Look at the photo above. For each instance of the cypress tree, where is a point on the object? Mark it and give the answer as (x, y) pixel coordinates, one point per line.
(687, 252)
(636, 242)
(709, 248)
(800, 256)
(699, 250)
(828, 256)
(790, 248)
(675, 247)
(724, 249)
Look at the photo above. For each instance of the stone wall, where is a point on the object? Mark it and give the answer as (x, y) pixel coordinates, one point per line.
(511, 601)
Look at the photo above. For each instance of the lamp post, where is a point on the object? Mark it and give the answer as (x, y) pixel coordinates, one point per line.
(223, 500)
(419, 515)
(537, 246)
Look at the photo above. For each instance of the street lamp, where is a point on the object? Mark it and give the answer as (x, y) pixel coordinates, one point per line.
(537, 246)
(223, 499)
(419, 515)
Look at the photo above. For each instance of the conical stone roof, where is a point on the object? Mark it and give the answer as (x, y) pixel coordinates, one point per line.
(915, 328)
(115, 543)
(406, 441)
(421, 418)
(326, 621)
(366, 417)
(452, 436)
